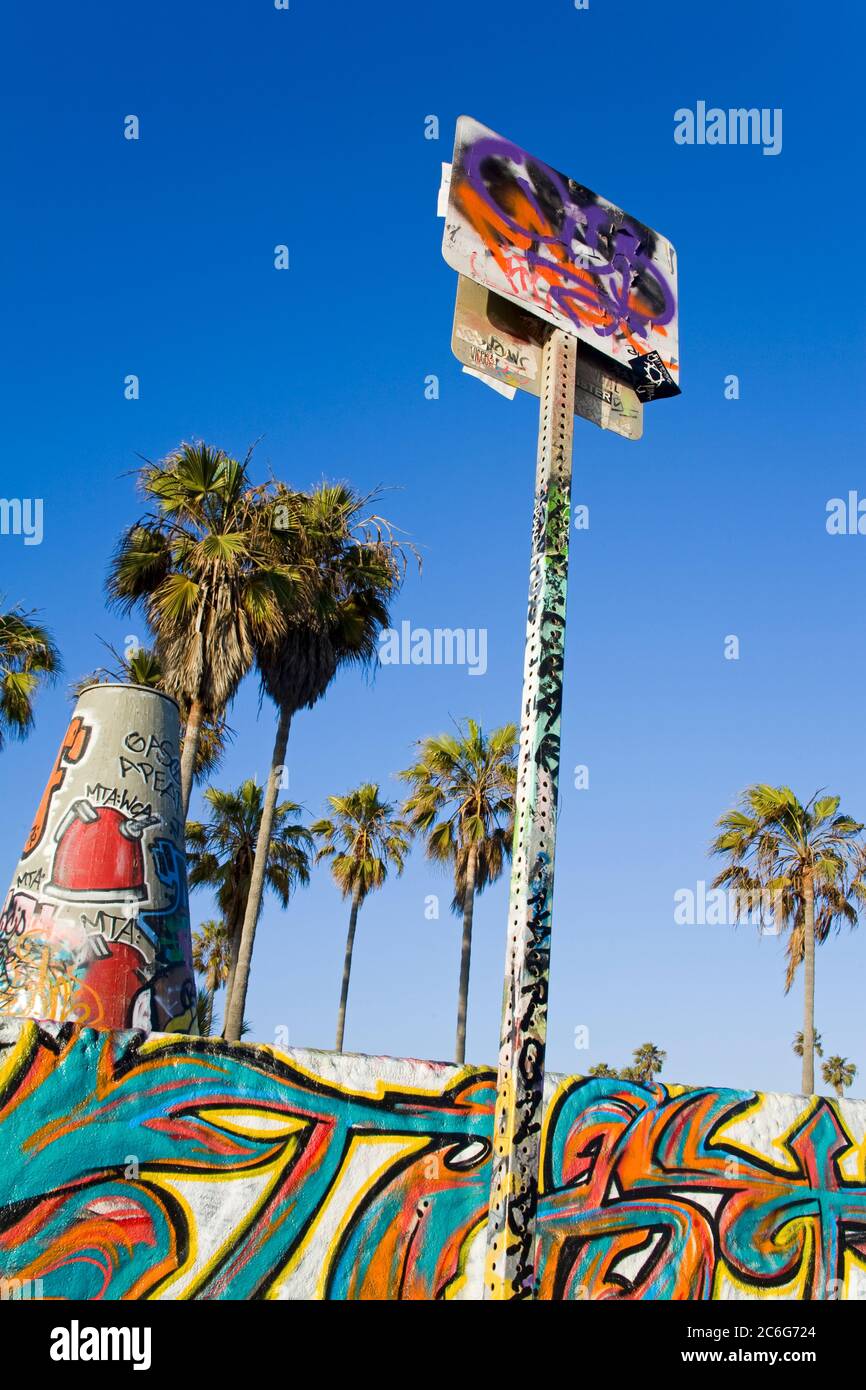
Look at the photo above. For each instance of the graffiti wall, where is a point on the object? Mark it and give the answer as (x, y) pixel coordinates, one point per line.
(186, 1168)
(95, 926)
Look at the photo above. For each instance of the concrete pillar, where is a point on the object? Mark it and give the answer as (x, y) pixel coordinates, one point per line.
(95, 927)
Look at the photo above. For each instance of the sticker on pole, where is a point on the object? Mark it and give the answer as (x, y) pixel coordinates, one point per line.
(502, 341)
(539, 239)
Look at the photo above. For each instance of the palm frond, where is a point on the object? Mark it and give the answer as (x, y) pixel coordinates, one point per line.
(28, 660)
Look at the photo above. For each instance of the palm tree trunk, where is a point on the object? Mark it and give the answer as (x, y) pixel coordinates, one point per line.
(465, 957)
(235, 1005)
(233, 965)
(191, 737)
(347, 967)
(808, 1080)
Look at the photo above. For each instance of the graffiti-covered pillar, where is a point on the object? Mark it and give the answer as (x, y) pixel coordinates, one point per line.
(95, 927)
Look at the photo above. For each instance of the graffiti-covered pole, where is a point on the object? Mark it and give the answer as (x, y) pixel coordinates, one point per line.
(517, 1124)
(533, 247)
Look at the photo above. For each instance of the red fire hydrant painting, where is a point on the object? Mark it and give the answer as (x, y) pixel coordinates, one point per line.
(99, 853)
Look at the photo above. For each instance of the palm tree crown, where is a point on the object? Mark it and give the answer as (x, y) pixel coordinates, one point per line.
(28, 658)
(221, 852)
(839, 1073)
(817, 1042)
(648, 1059)
(221, 849)
(348, 566)
(211, 954)
(362, 839)
(462, 801)
(202, 564)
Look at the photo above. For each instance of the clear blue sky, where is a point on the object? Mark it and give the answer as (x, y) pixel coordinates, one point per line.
(306, 127)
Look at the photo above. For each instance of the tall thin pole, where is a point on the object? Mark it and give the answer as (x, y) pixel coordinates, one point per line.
(510, 1264)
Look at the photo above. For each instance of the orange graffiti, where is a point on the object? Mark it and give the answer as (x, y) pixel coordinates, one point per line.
(557, 271)
(71, 750)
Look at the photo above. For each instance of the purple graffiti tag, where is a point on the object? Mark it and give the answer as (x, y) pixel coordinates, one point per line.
(593, 260)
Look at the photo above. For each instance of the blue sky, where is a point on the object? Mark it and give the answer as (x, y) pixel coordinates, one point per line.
(306, 127)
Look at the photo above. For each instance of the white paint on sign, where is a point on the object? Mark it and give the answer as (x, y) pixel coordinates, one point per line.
(508, 391)
(444, 190)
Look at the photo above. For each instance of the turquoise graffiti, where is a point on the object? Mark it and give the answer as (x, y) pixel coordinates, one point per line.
(187, 1168)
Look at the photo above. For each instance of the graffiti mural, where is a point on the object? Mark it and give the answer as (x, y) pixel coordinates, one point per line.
(541, 239)
(95, 927)
(185, 1168)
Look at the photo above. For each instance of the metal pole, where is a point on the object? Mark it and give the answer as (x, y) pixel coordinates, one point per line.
(510, 1264)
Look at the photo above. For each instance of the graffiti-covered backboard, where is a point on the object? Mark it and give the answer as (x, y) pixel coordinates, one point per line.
(503, 341)
(538, 238)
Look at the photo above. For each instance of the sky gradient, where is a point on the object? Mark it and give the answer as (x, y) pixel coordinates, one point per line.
(307, 127)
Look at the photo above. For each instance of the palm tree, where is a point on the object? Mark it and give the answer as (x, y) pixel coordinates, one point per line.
(211, 954)
(648, 1059)
(205, 1000)
(817, 1043)
(202, 566)
(205, 1004)
(28, 658)
(347, 569)
(801, 855)
(462, 801)
(363, 840)
(602, 1069)
(221, 852)
(839, 1073)
(142, 667)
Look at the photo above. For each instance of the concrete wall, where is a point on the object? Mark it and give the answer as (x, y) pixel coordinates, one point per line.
(178, 1167)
